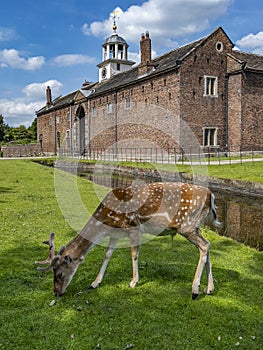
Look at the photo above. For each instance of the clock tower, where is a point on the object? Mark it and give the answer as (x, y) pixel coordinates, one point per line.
(114, 55)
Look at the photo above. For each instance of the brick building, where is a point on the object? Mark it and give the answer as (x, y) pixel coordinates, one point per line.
(204, 94)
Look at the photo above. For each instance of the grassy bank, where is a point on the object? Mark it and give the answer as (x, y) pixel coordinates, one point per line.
(158, 314)
(251, 171)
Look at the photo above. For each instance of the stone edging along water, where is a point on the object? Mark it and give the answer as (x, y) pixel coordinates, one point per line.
(253, 189)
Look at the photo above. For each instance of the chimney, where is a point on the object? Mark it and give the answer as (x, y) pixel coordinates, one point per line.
(146, 54)
(49, 97)
(146, 49)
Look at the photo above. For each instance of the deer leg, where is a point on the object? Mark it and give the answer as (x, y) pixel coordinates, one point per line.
(110, 249)
(135, 268)
(210, 281)
(135, 247)
(203, 245)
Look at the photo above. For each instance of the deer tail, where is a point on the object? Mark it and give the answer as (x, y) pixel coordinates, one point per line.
(213, 211)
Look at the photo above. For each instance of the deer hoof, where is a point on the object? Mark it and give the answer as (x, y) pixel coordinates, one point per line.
(92, 287)
(208, 291)
(194, 296)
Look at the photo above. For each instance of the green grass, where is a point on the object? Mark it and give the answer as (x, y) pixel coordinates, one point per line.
(251, 171)
(158, 314)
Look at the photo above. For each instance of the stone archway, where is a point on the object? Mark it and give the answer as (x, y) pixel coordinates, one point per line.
(80, 130)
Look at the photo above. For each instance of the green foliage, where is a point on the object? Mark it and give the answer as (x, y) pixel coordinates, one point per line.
(158, 314)
(18, 135)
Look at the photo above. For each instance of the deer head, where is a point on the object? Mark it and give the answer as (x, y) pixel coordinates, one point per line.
(63, 264)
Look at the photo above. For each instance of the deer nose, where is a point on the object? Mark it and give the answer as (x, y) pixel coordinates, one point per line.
(57, 294)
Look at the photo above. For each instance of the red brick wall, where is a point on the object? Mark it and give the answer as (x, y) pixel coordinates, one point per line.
(49, 124)
(234, 112)
(197, 110)
(252, 112)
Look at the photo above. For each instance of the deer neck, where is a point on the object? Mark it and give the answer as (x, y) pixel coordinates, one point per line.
(84, 241)
(78, 247)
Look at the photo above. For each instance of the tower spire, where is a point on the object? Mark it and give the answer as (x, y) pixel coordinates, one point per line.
(114, 15)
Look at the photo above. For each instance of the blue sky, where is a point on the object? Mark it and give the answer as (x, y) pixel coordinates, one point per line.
(58, 43)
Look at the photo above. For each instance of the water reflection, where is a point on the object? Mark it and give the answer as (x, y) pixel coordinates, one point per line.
(241, 215)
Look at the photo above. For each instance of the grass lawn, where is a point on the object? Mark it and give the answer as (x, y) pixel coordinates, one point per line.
(251, 171)
(157, 315)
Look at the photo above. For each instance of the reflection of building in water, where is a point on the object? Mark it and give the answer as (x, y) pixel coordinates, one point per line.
(242, 221)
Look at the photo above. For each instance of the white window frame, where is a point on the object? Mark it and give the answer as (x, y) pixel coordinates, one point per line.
(109, 107)
(93, 111)
(210, 134)
(210, 86)
(127, 103)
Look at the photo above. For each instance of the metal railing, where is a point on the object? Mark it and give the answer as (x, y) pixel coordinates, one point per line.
(168, 156)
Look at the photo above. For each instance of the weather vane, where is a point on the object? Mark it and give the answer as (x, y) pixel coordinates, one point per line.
(114, 15)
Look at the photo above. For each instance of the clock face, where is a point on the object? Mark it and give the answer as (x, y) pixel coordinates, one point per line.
(104, 72)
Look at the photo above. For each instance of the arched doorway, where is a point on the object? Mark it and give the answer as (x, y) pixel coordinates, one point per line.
(80, 116)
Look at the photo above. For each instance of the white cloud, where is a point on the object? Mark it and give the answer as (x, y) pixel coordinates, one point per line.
(22, 109)
(252, 42)
(72, 59)
(36, 91)
(165, 20)
(12, 58)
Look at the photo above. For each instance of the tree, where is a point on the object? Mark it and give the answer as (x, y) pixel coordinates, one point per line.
(19, 134)
(33, 129)
(2, 125)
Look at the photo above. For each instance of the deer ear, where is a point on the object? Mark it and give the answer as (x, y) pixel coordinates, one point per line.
(67, 259)
(62, 249)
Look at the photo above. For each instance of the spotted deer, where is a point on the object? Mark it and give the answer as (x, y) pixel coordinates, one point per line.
(128, 212)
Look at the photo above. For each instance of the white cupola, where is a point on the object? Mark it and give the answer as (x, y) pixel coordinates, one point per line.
(114, 56)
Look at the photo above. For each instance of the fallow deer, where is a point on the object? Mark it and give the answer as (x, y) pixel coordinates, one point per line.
(152, 208)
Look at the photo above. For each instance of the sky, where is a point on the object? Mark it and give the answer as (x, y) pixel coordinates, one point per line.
(58, 43)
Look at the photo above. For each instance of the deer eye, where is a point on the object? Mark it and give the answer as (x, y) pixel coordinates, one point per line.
(60, 274)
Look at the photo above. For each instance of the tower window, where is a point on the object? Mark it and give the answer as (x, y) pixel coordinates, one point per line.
(120, 52)
(118, 66)
(112, 51)
(210, 88)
